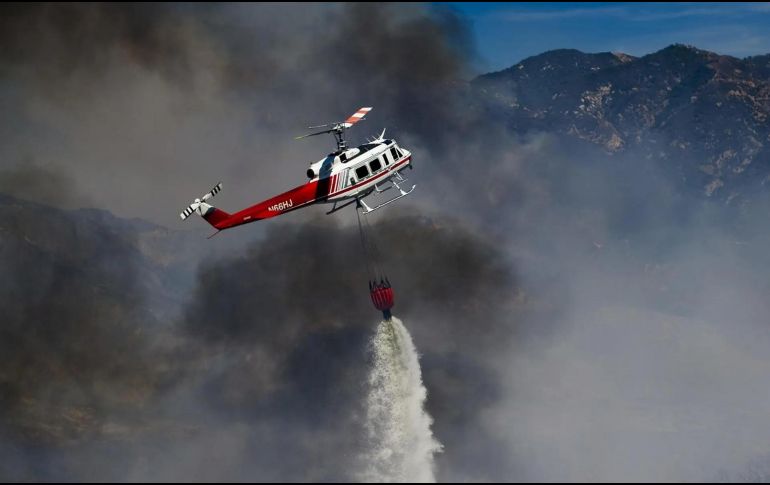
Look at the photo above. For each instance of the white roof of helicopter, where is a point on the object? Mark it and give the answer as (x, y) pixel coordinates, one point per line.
(351, 157)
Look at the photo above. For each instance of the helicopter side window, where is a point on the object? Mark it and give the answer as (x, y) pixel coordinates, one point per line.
(362, 172)
(394, 154)
(375, 165)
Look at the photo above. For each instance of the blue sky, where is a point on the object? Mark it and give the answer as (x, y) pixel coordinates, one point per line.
(506, 33)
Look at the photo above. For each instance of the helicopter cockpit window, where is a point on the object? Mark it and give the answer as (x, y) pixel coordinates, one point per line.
(362, 172)
(375, 165)
(394, 154)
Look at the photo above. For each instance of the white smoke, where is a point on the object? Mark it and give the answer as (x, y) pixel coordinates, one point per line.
(400, 442)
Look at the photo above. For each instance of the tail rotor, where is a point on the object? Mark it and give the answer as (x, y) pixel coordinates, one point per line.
(196, 204)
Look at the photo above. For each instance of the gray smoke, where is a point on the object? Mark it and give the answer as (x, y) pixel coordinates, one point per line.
(48, 185)
(79, 358)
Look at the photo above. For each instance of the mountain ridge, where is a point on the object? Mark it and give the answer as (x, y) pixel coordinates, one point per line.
(701, 114)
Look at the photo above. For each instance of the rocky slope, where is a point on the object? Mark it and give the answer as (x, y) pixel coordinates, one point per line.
(702, 115)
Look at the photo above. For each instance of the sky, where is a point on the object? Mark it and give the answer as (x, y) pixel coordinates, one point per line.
(507, 33)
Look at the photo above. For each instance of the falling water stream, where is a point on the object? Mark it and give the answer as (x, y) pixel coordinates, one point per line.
(401, 445)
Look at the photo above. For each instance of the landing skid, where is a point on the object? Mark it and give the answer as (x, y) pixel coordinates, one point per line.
(403, 193)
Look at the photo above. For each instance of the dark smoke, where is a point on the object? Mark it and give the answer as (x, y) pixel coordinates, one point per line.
(293, 316)
(270, 353)
(78, 348)
(69, 39)
(50, 186)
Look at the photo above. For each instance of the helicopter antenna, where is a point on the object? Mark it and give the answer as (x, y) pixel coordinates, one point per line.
(338, 128)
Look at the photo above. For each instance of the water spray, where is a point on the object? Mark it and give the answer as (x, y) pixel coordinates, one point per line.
(400, 443)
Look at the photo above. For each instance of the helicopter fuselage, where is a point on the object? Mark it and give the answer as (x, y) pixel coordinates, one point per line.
(341, 176)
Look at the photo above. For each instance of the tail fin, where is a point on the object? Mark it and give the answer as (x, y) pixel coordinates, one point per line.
(213, 215)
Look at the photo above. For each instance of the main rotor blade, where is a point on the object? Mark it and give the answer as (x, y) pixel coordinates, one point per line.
(314, 134)
(321, 126)
(339, 126)
(356, 117)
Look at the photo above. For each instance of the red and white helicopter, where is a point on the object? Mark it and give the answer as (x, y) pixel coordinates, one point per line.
(343, 177)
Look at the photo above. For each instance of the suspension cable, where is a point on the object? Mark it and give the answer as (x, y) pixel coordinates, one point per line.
(364, 245)
(369, 246)
(375, 250)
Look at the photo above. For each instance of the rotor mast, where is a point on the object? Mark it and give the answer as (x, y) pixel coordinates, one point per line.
(338, 135)
(338, 128)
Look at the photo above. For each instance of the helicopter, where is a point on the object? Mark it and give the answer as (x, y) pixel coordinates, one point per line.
(344, 177)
